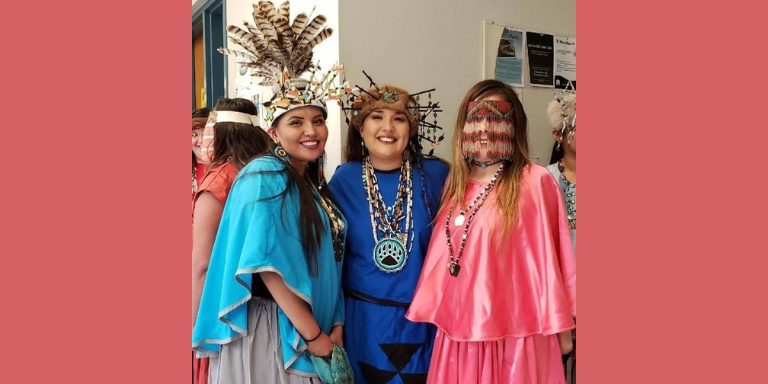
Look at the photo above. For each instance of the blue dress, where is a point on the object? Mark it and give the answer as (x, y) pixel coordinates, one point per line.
(258, 234)
(383, 346)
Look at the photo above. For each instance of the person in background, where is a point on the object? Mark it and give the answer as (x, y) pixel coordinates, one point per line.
(562, 118)
(232, 140)
(199, 118)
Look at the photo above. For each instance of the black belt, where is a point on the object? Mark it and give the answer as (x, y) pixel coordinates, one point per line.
(363, 297)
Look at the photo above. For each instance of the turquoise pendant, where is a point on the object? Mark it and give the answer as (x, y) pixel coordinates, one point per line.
(389, 255)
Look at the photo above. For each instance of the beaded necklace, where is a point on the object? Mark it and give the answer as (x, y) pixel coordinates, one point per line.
(389, 253)
(570, 197)
(453, 264)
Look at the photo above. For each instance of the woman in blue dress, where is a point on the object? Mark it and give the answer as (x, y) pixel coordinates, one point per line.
(389, 192)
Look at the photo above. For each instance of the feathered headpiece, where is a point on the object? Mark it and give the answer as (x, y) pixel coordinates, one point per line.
(281, 52)
(295, 93)
(272, 44)
(562, 110)
(361, 104)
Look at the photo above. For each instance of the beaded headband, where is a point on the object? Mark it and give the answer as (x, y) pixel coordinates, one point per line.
(361, 102)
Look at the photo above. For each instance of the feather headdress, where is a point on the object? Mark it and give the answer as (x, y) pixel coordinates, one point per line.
(562, 113)
(562, 110)
(281, 52)
(293, 94)
(272, 44)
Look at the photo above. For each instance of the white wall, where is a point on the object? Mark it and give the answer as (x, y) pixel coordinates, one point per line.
(423, 44)
(327, 53)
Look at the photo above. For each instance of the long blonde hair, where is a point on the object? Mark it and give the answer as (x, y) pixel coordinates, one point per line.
(508, 186)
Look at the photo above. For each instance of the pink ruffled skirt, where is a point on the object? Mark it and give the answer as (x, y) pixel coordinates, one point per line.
(529, 360)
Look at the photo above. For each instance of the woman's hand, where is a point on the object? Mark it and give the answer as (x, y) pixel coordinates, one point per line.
(321, 347)
(566, 342)
(336, 336)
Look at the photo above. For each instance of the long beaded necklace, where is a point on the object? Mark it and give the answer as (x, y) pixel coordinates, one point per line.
(335, 218)
(570, 197)
(337, 224)
(460, 218)
(389, 253)
(453, 264)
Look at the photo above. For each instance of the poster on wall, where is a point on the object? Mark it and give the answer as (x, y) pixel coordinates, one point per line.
(565, 62)
(246, 85)
(509, 58)
(541, 58)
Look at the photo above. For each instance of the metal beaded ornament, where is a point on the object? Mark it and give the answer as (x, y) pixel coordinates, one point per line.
(498, 116)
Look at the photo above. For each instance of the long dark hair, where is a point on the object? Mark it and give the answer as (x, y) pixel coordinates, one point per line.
(311, 228)
(557, 154)
(239, 141)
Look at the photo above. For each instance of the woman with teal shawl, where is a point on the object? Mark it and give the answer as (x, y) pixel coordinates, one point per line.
(272, 297)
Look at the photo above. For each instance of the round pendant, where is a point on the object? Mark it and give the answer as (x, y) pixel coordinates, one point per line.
(389, 255)
(459, 220)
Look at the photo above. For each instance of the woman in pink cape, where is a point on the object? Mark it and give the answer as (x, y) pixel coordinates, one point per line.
(499, 279)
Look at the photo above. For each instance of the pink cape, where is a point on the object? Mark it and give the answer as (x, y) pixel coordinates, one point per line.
(524, 287)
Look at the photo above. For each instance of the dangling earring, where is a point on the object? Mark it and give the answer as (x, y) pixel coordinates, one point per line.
(571, 133)
(562, 134)
(320, 171)
(364, 150)
(281, 153)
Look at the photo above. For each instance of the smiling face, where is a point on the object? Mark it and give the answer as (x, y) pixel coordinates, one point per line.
(198, 123)
(386, 134)
(197, 139)
(302, 133)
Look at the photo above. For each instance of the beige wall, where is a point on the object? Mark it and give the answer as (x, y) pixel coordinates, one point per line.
(423, 44)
